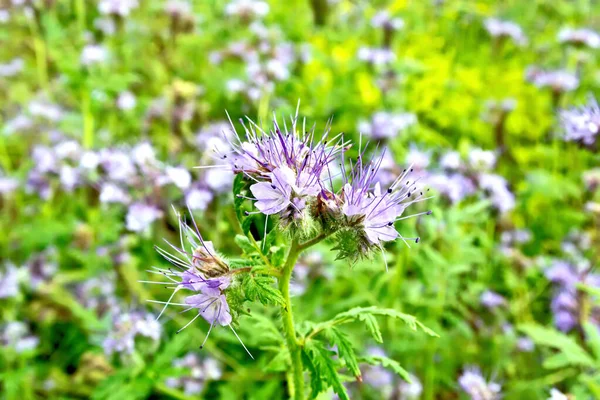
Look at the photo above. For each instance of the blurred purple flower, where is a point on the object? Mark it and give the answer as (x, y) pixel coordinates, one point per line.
(490, 299)
(579, 37)
(17, 335)
(476, 387)
(582, 124)
(141, 215)
(126, 328)
(505, 29)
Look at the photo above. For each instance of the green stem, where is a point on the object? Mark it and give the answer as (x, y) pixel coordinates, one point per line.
(297, 382)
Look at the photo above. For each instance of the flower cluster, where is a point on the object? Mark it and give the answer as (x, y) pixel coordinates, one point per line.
(202, 274)
(459, 178)
(126, 328)
(16, 335)
(268, 59)
(296, 176)
(384, 125)
(559, 81)
(579, 37)
(498, 28)
(476, 386)
(199, 371)
(582, 124)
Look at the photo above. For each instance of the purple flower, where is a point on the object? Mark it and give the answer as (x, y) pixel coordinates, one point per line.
(11, 68)
(476, 387)
(505, 29)
(126, 328)
(490, 299)
(369, 213)
(383, 19)
(7, 185)
(126, 101)
(9, 281)
(582, 124)
(497, 190)
(200, 371)
(525, 344)
(141, 215)
(121, 8)
(579, 37)
(379, 57)
(112, 193)
(559, 80)
(17, 335)
(412, 390)
(201, 270)
(93, 54)
(198, 198)
(247, 9)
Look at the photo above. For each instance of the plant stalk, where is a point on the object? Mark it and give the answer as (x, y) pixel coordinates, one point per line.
(296, 383)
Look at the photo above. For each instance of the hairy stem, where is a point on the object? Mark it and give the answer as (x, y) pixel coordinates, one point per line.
(296, 383)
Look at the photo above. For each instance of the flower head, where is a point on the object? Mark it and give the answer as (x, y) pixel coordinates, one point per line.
(579, 37)
(505, 29)
(582, 124)
(476, 387)
(202, 274)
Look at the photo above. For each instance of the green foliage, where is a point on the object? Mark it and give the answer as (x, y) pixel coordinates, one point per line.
(322, 368)
(261, 288)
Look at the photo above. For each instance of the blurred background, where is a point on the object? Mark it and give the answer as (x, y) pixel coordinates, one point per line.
(107, 105)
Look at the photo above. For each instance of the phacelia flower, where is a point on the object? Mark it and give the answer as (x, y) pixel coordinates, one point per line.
(121, 8)
(491, 299)
(199, 269)
(559, 81)
(582, 124)
(141, 215)
(126, 328)
(200, 371)
(579, 37)
(476, 387)
(93, 54)
(384, 20)
(385, 125)
(412, 390)
(505, 29)
(247, 9)
(17, 335)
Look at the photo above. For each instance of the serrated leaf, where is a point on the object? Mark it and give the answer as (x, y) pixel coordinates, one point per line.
(373, 327)
(323, 370)
(345, 349)
(261, 288)
(572, 353)
(387, 362)
(366, 313)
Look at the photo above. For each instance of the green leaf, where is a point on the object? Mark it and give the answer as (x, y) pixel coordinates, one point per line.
(373, 327)
(345, 349)
(387, 362)
(570, 352)
(592, 338)
(366, 314)
(261, 288)
(245, 244)
(281, 362)
(323, 370)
